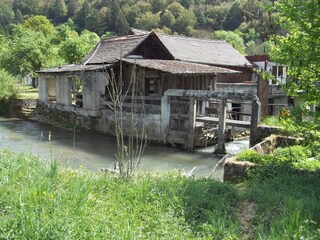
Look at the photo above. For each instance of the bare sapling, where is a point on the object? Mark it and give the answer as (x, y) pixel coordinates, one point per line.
(130, 134)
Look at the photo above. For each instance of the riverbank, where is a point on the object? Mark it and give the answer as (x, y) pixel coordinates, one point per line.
(17, 108)
(58, 203)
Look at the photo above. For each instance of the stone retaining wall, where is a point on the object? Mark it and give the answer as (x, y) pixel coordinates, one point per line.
(70, 117)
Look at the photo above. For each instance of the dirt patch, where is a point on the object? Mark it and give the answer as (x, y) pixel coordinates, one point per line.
(246, 213)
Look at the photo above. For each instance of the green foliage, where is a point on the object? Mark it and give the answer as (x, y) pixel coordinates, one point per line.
(234, 17)
(121, 24)
(27, 52)
(183, 17)
(58, 11)
(290, 155)
(272, 121)
(299, 49)
(39, 24)
(185, 22)
(76, 47)
(56, 203)
(148, 21)
(7, 84)
(249, 155)
(233, 38)
(287, 159)
(286, 206)
(167, 19)
(6, 15)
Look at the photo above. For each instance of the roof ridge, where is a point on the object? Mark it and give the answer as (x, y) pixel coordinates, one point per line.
(124, 37)
(192, 38)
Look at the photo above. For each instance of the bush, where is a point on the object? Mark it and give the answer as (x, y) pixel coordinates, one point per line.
(7, 84)
(290, 154)
(250, 155)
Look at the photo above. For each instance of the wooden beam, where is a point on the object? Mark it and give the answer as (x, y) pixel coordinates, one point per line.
(192, 122)
(221, 149)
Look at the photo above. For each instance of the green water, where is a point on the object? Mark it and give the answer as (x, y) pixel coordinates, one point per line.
(95, 151)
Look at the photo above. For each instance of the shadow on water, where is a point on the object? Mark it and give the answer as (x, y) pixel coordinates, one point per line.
(96, 151)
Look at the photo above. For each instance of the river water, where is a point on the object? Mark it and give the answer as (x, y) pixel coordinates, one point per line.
(95, 151)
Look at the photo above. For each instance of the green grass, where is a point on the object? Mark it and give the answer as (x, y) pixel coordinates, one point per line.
(46, 201)
(27, 92)
(294, 157)
(287, 206)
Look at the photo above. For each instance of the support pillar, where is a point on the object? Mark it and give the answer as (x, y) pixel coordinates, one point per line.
(43, 89)
(63, 90)
(191, 122)
(255, 119)
(165, 118)
(222, 127)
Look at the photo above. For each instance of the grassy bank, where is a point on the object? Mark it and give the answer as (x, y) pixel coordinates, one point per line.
(39, 201)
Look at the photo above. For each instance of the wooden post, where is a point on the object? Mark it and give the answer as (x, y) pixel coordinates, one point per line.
(165, 118)
(222, 127)
(191, 122)
(255, 119)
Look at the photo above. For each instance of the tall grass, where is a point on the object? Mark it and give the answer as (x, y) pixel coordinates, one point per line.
(287, 206)
(44, 201)
(41, 201)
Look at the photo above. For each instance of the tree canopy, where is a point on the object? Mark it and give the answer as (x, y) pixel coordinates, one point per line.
(299, 48)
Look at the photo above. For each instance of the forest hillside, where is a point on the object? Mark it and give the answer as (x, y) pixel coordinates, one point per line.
(246, 24)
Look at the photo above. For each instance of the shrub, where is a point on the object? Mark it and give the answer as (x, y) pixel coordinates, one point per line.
(250, 155)
(290, 154)
(7, 84)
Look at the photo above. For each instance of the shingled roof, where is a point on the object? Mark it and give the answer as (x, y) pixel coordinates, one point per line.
(214, 52)
(179, 67)
(111, 49)
(203, 51)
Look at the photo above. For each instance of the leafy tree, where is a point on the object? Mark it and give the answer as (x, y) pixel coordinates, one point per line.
(299, 49)
(121, 25)
(82, 15)
(73, 7)
(175, 8)
(6, 15)
(64, 32)
(131, 13)
(18, 17)
(76, 47)
(234, 39)
(27, 52)
(27, 7)
(248, 33)
(167, 19)
(216, 16)
(259, 15)
(187, 3)
(234, 17)
(39, 24)
(258, 47)
(148, 21)
(7, 84)
(158, 5)
(185, 22)
(58, 11)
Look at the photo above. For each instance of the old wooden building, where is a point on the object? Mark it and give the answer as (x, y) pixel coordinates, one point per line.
(156, 63)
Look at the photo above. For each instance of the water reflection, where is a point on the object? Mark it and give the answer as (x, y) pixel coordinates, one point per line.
(95, 151)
